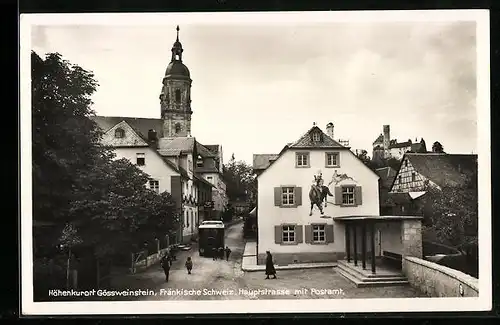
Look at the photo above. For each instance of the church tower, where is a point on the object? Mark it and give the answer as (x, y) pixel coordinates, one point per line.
(175, 97)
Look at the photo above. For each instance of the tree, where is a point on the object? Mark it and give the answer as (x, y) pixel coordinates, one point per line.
(363, 156)
(241, 183)
(452, 214)
(374, 164)
(127, 214)
(76, 184)
(65, 141)
(437, 147)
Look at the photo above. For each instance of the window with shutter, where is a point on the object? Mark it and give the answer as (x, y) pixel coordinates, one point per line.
(329, 233)
(348, 195)
(318, 233)
(358, 199)
(338, 195)
(299, 234)
(277, 196)
(308, 234)
(277, 234)
(288, 234)
(298, 196)
(287, 195)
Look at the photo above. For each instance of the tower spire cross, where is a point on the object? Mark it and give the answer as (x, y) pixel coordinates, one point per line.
(177, 32)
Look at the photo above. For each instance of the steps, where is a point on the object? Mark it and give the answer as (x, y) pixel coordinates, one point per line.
(364, 278)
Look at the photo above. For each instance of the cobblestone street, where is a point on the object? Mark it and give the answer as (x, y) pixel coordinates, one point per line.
(222, 280)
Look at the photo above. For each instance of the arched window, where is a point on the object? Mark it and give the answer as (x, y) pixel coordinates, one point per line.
(119, 133)
(178, 95)
(177, 128)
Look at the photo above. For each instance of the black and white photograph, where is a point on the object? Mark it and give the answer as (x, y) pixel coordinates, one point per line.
(285, 162)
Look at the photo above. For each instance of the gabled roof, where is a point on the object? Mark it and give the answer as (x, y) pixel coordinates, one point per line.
(200, 178)
(387, 176)
(380, 139)
(206, 169)
(445, 170)
(204, 151)
(213, 147)
(262, 161)
(140, 125)
(307, 141)
(177, 144)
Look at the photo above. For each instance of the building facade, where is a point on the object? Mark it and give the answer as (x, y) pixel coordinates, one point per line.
(165, 149)
(290, 223)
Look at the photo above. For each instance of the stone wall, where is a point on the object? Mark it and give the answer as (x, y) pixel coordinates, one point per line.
(411, 232)
(439, 281)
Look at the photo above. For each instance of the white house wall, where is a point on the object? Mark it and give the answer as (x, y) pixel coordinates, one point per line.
(282, 173)
(154, 165)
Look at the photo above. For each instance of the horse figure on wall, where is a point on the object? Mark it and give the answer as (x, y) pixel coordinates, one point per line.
(318, 194)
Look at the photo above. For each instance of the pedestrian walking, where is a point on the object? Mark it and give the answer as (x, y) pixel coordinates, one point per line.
(214, 253)
(189, 265)
(165, 265)
(228, 252)
(221, 253)
(270, 270)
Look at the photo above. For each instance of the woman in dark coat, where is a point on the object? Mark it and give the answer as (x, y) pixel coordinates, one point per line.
(270, 270)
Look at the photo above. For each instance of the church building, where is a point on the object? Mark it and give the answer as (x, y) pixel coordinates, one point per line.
(165, 149)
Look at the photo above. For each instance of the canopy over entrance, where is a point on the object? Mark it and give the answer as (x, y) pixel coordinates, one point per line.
(375, 218)
(366, 223)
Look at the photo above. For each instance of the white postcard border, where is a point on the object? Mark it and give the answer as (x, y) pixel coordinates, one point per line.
(483, 302)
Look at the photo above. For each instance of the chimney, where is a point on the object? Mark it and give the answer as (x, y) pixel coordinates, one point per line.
(329, 129)
(387, 136)
(152, 137)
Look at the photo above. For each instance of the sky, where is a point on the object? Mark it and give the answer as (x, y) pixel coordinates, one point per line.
(258, 87)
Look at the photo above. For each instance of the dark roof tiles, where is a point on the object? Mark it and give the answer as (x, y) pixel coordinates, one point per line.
(140, 125)
(307, 141)
(262, 161)
(444, 169)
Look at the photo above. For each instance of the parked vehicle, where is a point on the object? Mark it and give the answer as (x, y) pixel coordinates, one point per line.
(211, 235)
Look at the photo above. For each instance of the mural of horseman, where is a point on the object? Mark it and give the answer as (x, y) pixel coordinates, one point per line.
(318, 193)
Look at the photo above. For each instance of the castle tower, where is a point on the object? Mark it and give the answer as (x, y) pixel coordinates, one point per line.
(387, 137)
(175, 97)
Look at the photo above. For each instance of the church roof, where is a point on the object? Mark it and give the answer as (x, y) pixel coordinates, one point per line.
(177, 69)
(140, 125)
(307, 141)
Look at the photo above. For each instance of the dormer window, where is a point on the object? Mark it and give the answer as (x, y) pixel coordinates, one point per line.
(119, 133)
(316, 137)
(199, 161)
